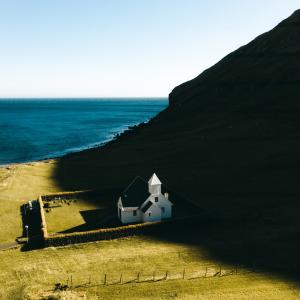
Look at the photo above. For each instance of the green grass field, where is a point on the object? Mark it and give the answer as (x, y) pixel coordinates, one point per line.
(36, 272)
(32, 274)
(77, 214)
(22, 183)
(67, 216)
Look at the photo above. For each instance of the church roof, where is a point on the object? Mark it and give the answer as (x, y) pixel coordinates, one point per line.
(146, 206)
(154, 180)
(136, 193)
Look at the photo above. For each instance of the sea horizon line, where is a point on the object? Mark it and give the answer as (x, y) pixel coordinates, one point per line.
(80, 98)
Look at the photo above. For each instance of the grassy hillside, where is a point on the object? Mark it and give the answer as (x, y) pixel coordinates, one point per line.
(32, 274)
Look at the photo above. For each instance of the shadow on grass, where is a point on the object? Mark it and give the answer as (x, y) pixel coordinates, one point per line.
(246, 185)
(30, 217)
(240, 243)
(33, 245)
(95, 219)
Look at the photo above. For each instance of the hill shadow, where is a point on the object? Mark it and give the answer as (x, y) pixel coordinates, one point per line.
(229, 142)
(245, 185)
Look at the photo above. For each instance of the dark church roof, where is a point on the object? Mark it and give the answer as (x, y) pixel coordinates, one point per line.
(146, 206)
(136, 193)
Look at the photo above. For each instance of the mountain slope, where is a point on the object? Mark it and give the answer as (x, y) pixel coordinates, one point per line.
(238, 115)
(230, 142)
(266, 69)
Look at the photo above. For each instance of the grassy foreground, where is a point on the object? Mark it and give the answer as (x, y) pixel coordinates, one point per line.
(32, 274)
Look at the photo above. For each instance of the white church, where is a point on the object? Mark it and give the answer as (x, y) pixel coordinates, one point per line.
(144, 202)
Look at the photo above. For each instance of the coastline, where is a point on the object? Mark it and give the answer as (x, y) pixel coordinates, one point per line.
(99, 122)
(8, 171)
(80, 149)
(24, 181)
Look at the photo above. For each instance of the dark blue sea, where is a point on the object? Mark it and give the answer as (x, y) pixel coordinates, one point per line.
(37, 129)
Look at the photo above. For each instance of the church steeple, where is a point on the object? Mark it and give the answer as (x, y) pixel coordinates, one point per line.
(154, 185)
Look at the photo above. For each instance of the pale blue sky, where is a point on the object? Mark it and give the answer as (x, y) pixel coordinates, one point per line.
(115, 48)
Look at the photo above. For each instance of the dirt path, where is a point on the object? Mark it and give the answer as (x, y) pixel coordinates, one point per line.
(8, 174)
(9, 245)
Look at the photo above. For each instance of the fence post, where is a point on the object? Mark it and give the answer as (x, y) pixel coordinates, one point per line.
(71, 283)
(104, 282)
(138, 277)
(183, 274)
(153, 278)
(205, 272)
(167, 273)
(90, 280)
(121, 278)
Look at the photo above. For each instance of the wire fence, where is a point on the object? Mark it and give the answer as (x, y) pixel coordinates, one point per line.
(106, 279)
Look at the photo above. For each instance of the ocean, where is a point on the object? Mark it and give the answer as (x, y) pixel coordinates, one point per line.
(35, 129)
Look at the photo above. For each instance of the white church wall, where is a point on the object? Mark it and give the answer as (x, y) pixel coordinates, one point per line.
(153, 214)
(166, 211)
(164, 204)
(128, 216)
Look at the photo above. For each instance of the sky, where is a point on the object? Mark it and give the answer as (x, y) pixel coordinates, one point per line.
(122, 48)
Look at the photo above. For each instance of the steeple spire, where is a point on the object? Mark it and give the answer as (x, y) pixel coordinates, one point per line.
(154, 180)
(154, 185)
